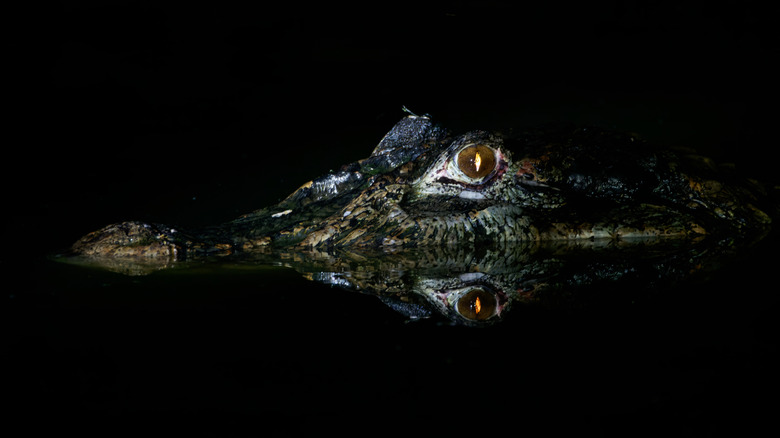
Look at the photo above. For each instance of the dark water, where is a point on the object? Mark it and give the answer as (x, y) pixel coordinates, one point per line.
(235, 349)
(209, 114)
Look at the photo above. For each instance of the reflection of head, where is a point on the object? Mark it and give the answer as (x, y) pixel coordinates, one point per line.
(478, 286)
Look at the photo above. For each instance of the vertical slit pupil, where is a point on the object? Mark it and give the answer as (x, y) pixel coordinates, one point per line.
(477, 161)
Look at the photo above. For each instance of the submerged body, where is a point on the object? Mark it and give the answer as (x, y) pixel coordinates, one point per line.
(423, 187)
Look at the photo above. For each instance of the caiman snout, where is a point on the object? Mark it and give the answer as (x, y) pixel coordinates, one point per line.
(131, 239)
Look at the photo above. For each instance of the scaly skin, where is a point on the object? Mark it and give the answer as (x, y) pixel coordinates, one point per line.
(466, 226)
(412, 191)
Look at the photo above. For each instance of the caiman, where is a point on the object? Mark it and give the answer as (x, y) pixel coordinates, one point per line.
(421, 186)
(475, 210)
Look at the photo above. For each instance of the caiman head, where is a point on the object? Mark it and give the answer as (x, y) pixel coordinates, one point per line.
(422, 186)
(465, 225)
(419, 186)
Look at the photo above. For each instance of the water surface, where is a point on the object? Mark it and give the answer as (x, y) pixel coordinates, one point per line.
(237, 345)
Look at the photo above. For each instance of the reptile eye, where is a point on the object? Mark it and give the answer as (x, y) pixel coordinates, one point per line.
(477, 304)
(477, 161)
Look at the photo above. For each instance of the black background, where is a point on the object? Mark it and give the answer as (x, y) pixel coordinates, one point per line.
(134, 109)
(195, 113)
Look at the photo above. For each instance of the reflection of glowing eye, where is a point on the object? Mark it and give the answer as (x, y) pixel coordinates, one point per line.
(477, 304)
(477, 161)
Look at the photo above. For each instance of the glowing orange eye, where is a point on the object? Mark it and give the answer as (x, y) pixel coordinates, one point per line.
(477, 305)
(477, 161)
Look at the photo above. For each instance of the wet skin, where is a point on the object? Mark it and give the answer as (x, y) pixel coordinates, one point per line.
(422, 186)
(476, 217)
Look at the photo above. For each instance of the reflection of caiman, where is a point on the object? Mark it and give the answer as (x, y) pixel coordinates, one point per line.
(420, 187)
(469, 224)
(480, 287)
